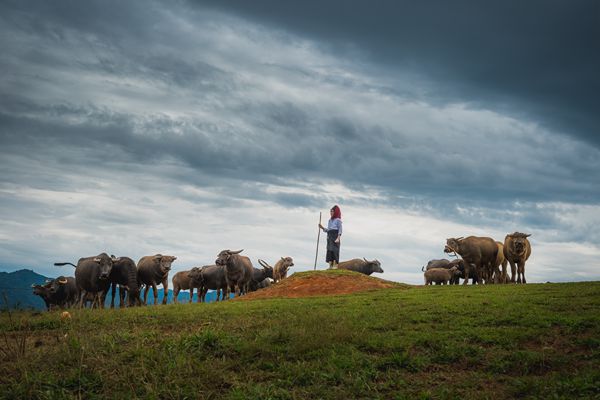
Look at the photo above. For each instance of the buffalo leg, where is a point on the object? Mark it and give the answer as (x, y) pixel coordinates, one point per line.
(113, 289)
(165, 284)
(176, 291)
(122, 293)
(521, 270)
(146, 289)
(82, 296)
(513, 271)
(154, 293)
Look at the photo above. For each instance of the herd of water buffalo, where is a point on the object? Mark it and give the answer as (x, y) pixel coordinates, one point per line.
(232, 273)
(481, 258)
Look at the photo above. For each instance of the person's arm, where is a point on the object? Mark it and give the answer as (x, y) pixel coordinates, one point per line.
(322, 227)
(339, 224)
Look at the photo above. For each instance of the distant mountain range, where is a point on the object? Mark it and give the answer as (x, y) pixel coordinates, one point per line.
(16, 291)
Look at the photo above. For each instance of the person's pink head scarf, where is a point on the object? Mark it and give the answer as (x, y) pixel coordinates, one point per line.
(337, 213)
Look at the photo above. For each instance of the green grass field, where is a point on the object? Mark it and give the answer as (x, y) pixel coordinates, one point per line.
(442, 342)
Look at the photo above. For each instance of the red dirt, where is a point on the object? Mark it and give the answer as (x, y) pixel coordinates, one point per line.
(320, 283)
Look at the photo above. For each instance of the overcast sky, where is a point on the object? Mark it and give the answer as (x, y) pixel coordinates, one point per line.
(186, 128)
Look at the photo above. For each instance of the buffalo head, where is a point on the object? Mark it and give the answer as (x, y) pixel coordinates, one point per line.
(57, 284)
(105, 264)
(287, 262)
(164, 262)
(266, 268)
(452, 245)
(195, 274)
(225, 255)
(519, 242)
(375, 265)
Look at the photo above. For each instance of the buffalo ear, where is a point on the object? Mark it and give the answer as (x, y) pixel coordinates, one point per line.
(174, 258)
(527, 234)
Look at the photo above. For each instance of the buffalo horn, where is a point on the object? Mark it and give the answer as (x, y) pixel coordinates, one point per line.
(62, 281)
(236, 252)
(264, 264)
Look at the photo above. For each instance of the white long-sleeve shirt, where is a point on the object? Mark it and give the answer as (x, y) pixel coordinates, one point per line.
(334, 224)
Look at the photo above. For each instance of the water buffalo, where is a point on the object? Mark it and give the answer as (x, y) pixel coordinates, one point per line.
(238, 270)
(61, 292)
(210, 277)
(260, 275)
(92, 276)
(443, 263)
(479, 251)
(440, 275)
(152, 271)
(363, 266)
(44, 292)
(281, 268)
(183, 281)
(124, 274)
(517, 249)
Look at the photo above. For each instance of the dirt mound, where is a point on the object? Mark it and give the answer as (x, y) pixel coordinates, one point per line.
(321, 283)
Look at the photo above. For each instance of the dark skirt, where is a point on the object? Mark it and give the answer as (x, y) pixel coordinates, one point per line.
(333, 249)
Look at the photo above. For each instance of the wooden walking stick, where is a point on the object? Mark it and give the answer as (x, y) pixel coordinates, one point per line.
(318, 238)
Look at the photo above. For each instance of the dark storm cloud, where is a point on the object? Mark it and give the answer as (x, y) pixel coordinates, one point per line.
(536, 58)
(111, 85)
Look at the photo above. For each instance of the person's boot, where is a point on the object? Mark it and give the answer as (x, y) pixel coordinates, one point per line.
(334, 265)
(330, 265)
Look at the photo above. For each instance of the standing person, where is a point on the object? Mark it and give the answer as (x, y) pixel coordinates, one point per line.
(334, 232)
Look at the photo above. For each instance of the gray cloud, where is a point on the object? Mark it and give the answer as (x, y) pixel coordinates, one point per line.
(536, 59)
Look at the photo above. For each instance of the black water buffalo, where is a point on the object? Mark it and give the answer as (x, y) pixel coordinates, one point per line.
(153, 270)
(260, 275)
(92, 276)
(210, 277)
(238, 270)
(442, 263)
(481, 252)
(517, 250)
(124, 274)
(61, 292)
(44, 292)
(363, 266)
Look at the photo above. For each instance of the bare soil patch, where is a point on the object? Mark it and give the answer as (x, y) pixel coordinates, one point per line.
(321, 283)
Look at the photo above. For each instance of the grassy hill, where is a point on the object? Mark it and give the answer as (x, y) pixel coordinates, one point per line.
(474, 342)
